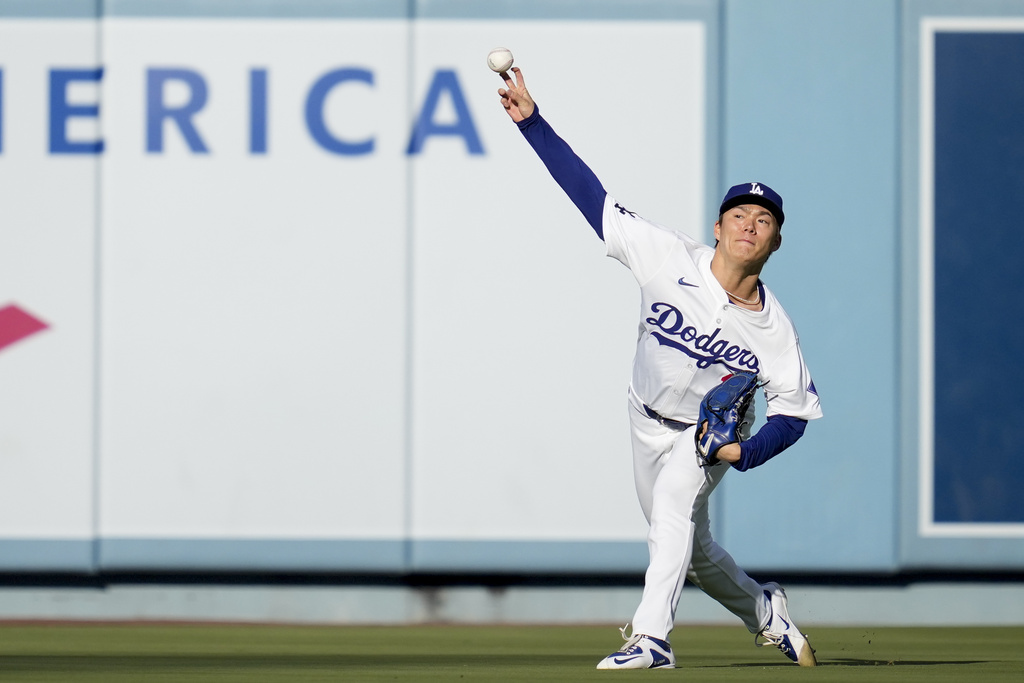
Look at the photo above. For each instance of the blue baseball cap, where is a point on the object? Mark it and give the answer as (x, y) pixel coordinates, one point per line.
(754, 193)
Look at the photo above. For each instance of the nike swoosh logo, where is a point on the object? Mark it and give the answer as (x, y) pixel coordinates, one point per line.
(768, 603)
(706, 444)
(623, 660)
(683, 281)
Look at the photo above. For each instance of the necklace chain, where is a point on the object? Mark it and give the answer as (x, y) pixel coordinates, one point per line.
(750, 302)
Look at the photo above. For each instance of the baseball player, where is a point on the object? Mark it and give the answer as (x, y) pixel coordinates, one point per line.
(705, 315)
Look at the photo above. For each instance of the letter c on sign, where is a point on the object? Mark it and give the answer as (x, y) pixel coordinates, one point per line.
(315, 111)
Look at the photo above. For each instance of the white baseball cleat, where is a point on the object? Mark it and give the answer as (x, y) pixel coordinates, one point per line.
(782, 632)
(640, 652)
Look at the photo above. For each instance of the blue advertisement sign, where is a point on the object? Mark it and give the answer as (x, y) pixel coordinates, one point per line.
(978, 304)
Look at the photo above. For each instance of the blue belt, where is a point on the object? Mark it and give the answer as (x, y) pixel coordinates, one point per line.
(671, 424)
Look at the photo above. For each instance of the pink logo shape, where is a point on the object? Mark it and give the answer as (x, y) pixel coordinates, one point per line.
(16, 324)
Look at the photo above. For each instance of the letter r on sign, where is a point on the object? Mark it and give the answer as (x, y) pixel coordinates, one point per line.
(157, 110)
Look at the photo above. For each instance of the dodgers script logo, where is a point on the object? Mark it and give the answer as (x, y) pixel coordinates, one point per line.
(706, 349)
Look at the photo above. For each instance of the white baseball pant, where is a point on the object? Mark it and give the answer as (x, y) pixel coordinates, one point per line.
(673, 491)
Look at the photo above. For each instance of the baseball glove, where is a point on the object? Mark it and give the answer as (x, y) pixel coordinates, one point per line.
(722, 413)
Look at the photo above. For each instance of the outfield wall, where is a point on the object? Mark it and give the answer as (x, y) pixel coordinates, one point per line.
(955, 603)
(282, 288)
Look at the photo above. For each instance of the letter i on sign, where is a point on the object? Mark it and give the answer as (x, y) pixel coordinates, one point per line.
(258, 111)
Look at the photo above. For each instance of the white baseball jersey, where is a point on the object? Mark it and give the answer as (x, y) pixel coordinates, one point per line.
(691, 336)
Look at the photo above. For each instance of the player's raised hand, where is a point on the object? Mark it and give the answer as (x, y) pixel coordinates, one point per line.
(515, 97)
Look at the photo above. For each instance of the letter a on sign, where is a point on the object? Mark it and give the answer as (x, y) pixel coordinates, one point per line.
(445, 83)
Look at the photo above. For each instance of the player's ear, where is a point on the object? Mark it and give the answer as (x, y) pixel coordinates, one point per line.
(718, 230)
(778, 241)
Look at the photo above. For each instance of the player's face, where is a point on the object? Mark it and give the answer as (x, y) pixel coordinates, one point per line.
(748, 233)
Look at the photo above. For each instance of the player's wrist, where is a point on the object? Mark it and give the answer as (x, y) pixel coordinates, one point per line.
(531, 119)
(730, 452)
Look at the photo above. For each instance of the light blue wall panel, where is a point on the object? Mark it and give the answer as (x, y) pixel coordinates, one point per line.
(810, 107)
(250, 555)
(926, 542)
(73, 556)
(354, 9)
(611, 10)
(55, 9)
(530, 557)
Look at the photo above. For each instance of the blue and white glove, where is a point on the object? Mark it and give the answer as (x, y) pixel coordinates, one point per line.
(722, 415)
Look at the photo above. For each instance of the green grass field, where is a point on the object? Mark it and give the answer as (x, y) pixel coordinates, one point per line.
(149, 652)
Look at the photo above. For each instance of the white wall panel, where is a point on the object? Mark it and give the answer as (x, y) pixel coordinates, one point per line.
(253, 347)
(47, 238)
(524, 330)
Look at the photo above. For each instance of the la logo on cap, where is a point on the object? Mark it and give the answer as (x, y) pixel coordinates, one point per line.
(756, 189)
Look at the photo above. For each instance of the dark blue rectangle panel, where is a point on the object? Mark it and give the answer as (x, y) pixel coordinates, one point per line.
(979, 290)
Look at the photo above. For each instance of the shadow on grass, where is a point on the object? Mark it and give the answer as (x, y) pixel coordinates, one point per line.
(850, 661)
(142, 663)
(896, 662)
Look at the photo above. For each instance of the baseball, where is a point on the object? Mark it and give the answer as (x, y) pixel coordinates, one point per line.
(499, 59)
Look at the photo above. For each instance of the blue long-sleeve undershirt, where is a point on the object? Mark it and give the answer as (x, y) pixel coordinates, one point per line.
(586, 192)
(776, 435)
(568, 170)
